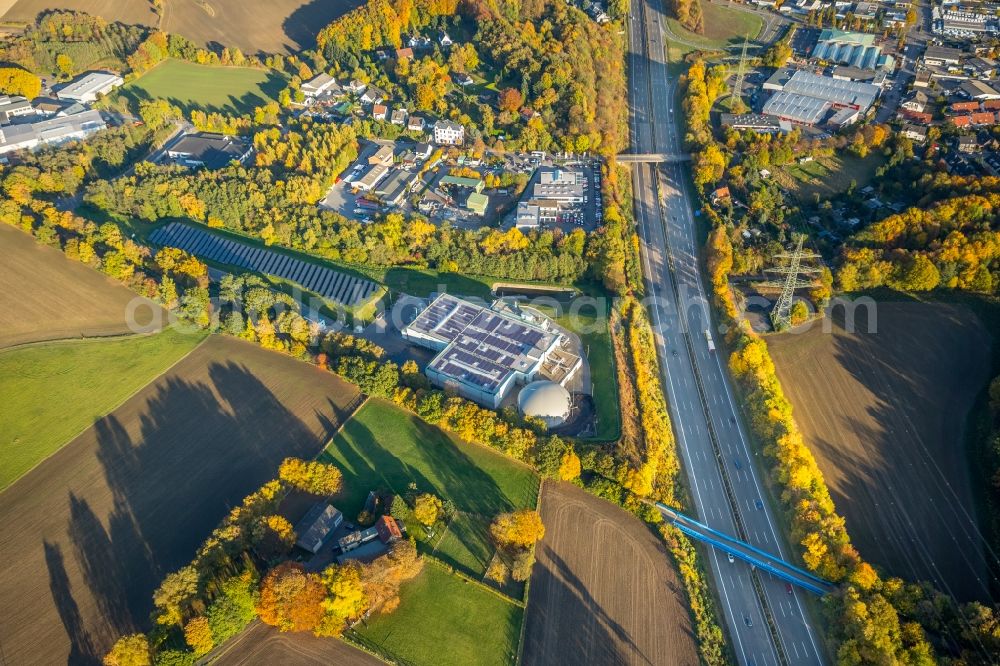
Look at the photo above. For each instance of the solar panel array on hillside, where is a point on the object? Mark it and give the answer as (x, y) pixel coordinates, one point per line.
(330, 284)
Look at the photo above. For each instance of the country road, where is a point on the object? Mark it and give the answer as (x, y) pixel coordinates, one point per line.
(713, 444)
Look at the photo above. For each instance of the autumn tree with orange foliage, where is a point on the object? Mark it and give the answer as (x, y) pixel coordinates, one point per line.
(313, 477)
(291, 598)
(518, 529)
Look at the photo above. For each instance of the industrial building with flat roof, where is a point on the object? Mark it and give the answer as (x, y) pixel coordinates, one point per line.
(26, 136)
(560, 185)
(806, 98)
(89, 86)
(857, 49)
(485, 352)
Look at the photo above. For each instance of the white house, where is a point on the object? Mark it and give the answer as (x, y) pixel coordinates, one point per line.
(448, 133)
(373, 96)
(415, 124)
(444, 40)
(320, 85)
(89, 86)
(399, 116)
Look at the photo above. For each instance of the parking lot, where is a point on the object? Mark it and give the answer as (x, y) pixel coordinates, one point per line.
(587, 215)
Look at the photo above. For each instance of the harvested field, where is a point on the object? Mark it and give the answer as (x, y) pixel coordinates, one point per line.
(90, 532)
(603, 590)
(272, 27)
(262, 644)
(45, 296)
(884, 414)
(127, 11)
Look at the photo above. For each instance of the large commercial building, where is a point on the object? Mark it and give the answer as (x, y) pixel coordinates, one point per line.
(209, 150)
(807, 99)
(89, 86)
(484, 352)
(560, 185)
(856, 49)
(26, 136)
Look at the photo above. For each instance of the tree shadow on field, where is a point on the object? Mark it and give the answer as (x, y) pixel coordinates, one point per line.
(173, 471)
(82, 650)
(584, 633)
(368, 464)
(302, 25)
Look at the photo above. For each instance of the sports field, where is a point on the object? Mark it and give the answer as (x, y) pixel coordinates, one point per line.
(209, 88)
(884, 413)
(45, 296)
(603, 590)
(90, 532)
(443, 620)
(54, 391)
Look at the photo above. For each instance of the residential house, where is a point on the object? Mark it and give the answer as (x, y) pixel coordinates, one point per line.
(917, 102)
(88, 87)
(404, 54)
(380, 111)
(461, 79)
(356, 87)
(448, 133)
(719, 194)
(444, 40)
(914, 132)
(922, 80)
(399, 116)
(373, 95)
(968, 144)
(983, 118)
(961, 121)
(415, 124)
(963, 107)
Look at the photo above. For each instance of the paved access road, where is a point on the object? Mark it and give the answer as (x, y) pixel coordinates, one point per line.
(670, 263)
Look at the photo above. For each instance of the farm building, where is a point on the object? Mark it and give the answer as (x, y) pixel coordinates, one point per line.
(317, 526)
(209, 150)
(89, 86)
(483, 352)
(51, 131)
(547, 401)
(371, 542)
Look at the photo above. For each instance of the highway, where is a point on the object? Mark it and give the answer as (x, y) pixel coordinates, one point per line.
(712, 441)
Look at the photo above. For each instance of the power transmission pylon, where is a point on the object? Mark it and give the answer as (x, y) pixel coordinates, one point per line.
(741, 70)
(791, 267)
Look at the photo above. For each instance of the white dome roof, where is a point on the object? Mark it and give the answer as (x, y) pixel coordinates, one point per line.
(546, 400)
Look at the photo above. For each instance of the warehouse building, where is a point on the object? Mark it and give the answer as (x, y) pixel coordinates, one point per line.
(560, 185)
(856, 49)
(87, 88)
(807, 99)
(52, 131)
(483, 352)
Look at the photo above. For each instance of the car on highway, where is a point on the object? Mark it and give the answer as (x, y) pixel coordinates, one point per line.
(747, 620)
(788, 588)
(729, 556)
(736, 463)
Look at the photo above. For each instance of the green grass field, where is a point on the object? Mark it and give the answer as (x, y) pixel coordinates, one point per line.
(210, 88)
(829, 176)
(52, 392)
(384, 447)
(466, 545)
(444, 620)
(724, 28)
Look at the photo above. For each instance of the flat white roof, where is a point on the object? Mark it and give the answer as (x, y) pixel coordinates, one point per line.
(90, 83)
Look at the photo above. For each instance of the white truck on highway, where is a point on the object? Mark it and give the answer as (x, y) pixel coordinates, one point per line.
(708, 339)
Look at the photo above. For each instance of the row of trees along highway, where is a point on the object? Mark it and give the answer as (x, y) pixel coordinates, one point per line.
(872, 618)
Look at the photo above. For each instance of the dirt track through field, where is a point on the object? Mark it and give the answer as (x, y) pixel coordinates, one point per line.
(45, 296)
(262, 644)
(90, 532)
(885, 414)
(603, 590)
